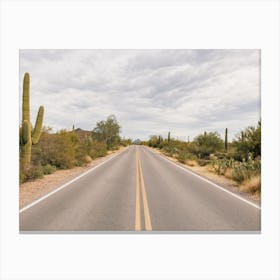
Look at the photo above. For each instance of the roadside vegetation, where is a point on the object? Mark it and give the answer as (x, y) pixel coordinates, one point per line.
(43, 152)
(239, 160)
(66, 149)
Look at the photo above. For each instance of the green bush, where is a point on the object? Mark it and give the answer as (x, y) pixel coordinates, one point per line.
(206, 144)
(65, 149)
(241, 171)
(221, 165)
(48, 169)
(98, 149)
(246, 170)
(184, 155)
(56, 149)
(33, 172)
(248, 142)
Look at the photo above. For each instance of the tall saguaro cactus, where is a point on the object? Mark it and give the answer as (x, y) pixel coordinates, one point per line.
(27, 136)
(168, 138)
(226, 140)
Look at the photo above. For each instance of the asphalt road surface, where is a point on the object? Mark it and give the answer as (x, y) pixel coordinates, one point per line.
(140, 191)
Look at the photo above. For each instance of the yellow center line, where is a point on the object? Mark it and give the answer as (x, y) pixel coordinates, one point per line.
(137, 209)
(145, 201)
(140, 178)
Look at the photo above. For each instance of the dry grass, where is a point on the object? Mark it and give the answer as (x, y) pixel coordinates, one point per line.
(191, 163)
(252, 186)
(228, 173)
(88, 159)
(211, 169)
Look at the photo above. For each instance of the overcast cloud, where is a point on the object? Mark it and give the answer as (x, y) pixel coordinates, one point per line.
(149, 91)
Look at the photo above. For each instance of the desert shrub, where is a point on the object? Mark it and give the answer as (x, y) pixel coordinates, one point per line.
(55, 149)
(206, 144)
(220, 166)
(248, 143)
(80, 154)
(87, 159)
(48, 169)
(61, 150)
(239, 174)
(33, 172)
(125, 142)
(238, 171)
(98, 149)
(156, 142)
(246, 170)
(169, 150)
(184, 156)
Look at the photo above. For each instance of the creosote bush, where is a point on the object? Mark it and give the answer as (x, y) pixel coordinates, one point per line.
(31, 172)
(48, 169)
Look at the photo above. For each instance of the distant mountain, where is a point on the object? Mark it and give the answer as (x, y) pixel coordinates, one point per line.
(137, 142)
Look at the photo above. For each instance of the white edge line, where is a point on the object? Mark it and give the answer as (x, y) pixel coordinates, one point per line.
(66, 184)
(210, 182)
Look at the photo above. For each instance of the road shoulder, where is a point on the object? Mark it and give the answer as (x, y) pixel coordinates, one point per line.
(222, 181)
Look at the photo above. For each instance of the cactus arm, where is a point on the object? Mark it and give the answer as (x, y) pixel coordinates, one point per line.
(25, 98)
(38, 126)
(26, 132)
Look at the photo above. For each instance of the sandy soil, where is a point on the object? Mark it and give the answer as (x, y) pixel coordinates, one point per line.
(220, 180)
(33, 190)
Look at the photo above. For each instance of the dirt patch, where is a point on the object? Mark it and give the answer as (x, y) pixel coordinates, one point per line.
(33, 190)
(220, 180)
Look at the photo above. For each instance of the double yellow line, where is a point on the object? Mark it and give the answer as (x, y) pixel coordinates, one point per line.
(140, 189)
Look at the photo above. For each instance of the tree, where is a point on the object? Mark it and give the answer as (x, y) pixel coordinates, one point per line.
(107, 131)
(207, 143)
(248, 142)
(153, 141)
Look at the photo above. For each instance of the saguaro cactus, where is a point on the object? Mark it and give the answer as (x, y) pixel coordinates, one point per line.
(168, 138)
(226, 140)
(27, 136)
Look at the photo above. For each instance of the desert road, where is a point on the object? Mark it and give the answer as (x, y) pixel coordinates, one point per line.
(138, 190)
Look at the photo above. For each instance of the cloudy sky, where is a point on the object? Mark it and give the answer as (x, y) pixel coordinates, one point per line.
(149, 91)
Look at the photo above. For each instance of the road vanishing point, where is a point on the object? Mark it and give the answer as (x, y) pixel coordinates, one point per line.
(139, 190)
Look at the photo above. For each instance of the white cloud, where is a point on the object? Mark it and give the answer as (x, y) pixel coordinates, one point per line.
(150, 91)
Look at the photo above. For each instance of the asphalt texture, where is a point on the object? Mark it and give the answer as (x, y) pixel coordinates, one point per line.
(140, 191)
